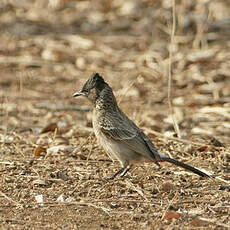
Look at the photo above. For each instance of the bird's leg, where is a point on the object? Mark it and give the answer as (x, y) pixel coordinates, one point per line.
(125, 171)
(126, 167)
(121, 171)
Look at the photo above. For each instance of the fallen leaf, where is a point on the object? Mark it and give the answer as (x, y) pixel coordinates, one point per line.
(39, 182)
(172, 215)
(43, 139)
(50, 128)
(40, 199)
(59, 140)
(197, 130)
(79, 41)
(51, 55)
(64, 148)
(199, 222)
(202, 148)
(6, 139)
(201, 55)
(38, 150)
(166, 187)
(70, 200)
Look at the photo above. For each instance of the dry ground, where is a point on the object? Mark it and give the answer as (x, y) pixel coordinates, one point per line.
(47, 51)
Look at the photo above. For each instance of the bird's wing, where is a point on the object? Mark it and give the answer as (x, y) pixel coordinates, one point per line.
(115, 128)
(127, 133)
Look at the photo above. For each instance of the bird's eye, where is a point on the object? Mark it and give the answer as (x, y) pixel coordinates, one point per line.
(95, 76)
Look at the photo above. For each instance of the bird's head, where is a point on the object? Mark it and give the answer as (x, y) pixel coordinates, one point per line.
(92, 88)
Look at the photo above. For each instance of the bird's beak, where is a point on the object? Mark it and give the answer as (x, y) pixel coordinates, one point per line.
(76, 94)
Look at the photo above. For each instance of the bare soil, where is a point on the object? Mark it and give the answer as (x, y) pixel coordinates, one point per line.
(50, 162)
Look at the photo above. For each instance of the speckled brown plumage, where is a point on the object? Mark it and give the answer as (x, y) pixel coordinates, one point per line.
(117, 134)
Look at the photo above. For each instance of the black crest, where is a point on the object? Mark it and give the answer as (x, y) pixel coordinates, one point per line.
(95, 81)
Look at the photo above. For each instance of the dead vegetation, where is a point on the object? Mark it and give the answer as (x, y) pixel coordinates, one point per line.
(50, 162)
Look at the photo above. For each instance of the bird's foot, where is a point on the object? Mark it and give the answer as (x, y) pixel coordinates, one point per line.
(107, 178)
(122, 171)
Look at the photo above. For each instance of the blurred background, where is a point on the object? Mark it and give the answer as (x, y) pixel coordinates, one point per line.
(49, 48)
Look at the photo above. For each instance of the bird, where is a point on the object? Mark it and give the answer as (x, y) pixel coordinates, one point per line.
(120, 137)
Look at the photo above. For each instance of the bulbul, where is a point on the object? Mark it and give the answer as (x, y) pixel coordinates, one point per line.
(118, 135)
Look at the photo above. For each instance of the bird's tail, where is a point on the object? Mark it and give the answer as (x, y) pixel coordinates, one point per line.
(183, 165)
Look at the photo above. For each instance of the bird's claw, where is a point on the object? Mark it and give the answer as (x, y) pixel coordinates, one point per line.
(106, 179)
